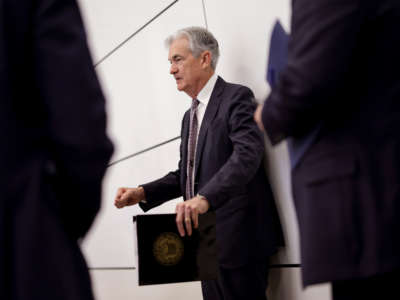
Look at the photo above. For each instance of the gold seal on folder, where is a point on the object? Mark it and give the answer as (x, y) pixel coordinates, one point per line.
(168, 249)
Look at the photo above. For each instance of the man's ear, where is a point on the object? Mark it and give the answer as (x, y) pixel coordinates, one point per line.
(206, 58)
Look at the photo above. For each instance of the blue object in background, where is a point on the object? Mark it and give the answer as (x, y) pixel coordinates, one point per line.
(278, 53)
(277, 61)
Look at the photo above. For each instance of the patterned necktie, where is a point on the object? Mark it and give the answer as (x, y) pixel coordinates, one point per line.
(191, 149)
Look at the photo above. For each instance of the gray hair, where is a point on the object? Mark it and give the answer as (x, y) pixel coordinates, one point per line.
(200, 39)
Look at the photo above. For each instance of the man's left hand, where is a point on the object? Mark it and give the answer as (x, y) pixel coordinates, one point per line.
(187, 212)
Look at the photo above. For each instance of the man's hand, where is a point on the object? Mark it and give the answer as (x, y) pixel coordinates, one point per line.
(188, 212)
(257, 117)
(128, 196)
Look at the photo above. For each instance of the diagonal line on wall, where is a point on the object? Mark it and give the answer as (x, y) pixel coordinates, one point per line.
(143, 151)
(133, 34)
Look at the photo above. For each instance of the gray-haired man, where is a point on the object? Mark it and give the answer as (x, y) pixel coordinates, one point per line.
(220, 172)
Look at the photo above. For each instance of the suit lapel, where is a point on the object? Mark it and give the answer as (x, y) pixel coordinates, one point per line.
(209, 116)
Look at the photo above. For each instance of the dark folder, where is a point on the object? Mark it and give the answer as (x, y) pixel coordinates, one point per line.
(165, 256)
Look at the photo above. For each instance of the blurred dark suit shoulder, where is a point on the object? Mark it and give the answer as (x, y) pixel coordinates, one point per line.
(342, 73)
(54, 149)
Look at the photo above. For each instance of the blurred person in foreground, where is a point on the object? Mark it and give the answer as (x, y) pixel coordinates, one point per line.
(220, 175)
(54, 150)
(338, 100)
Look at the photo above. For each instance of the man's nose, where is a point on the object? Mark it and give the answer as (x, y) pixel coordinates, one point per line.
(173, 69)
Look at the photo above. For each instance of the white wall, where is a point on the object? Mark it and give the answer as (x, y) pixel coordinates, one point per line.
(145, 109)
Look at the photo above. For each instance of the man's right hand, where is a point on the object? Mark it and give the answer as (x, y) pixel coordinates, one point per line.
(129, 196)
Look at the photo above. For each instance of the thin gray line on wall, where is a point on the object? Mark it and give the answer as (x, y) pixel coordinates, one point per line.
(143, 151)
(285, 266)
(204, 13)
(133, 34)
(133, 268)
(112, 268)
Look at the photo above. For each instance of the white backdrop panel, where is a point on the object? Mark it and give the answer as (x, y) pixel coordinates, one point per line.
(144, 106)
(122, 285)
(109, 23)
(111, 241)
(285, 284)
(279, 176)
(243, 30)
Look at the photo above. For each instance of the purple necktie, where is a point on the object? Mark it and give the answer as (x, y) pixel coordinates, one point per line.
(191, 149)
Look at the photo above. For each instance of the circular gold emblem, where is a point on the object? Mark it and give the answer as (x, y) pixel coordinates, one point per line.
(168, 249)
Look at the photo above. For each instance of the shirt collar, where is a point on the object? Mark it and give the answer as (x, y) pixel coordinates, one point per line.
(205, 93)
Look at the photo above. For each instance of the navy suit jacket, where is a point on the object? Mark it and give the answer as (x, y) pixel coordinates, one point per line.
(54, 150)
(343, 73)
(229, 172)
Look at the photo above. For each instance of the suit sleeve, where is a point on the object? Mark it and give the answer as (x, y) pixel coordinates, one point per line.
(324, 34)
(166, 188)
(247, 154)
(74, 104)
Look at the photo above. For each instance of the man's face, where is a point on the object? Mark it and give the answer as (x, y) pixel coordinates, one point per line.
(185, 68)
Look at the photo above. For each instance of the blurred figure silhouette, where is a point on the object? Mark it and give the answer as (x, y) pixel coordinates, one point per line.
(54, 150)
(341, 90)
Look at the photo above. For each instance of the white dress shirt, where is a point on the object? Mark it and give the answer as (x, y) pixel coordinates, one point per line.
(204, 97)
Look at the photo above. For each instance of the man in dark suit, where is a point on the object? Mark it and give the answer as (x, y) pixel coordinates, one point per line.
(220, 172)
(342, 74)
(54, 150)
